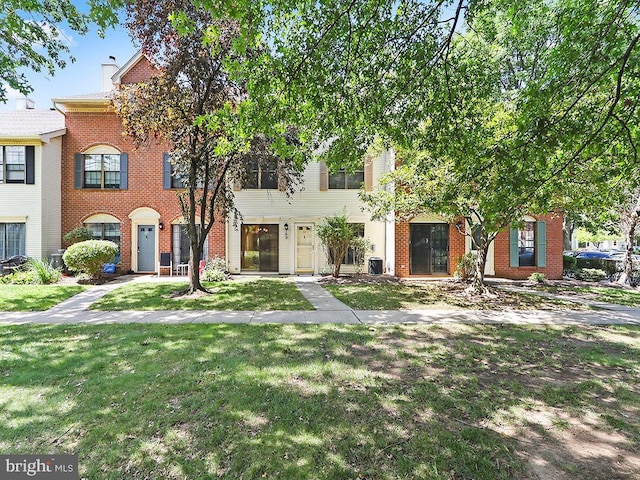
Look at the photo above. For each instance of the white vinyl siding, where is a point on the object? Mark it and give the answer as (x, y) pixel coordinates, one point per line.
(308, 206)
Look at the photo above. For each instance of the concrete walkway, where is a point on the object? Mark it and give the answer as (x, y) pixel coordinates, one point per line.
(328, 310)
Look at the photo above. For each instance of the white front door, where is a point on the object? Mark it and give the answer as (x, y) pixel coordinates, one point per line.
(304, 248)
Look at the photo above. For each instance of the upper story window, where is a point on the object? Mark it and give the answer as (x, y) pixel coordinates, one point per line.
(262, 176)
(170, 178)
(17, 164)
(101, 171)
(101, 167)
(341, 180)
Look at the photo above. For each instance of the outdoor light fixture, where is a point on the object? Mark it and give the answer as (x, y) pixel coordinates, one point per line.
(161, 225)
(286, 230)
(459, 226)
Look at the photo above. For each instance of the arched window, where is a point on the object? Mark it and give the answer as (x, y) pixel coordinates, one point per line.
(105, 227)
(101, 167)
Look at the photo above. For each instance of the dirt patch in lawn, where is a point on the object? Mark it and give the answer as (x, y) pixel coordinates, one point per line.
(454, 293)
(568, 418)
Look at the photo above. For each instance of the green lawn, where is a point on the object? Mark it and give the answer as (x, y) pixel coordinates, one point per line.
(263, 294)
(394, 295)
(617, 295)
(323, 402)
(25, 298)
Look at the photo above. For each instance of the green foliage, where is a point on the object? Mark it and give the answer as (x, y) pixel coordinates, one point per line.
(336, 235)
(43, 272)
(537, 277)
(89, 256)
(215, 270)
(34, 271)
(590, 274)
(466, 268)
(569, 262)
(78, 234)
(18, 277)
(32, 36)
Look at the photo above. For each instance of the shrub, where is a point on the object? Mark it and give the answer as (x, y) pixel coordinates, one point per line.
(215, 270)
(466, 268)
(537, 277)
(88, 257)
(42, 272)
(18, 277)
(590, 274)
(336, 235)
(569, 262)
(78, 234)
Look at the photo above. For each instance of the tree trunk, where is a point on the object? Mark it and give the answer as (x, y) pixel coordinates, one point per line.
(567, 232)
(630, 233)
(195, 252)
(478, 285)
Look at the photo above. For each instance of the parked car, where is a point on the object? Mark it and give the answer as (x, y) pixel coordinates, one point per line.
(592, 255)
(570, 253)
(8, 265)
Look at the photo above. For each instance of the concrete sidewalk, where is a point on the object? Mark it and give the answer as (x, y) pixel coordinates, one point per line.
(328, 309)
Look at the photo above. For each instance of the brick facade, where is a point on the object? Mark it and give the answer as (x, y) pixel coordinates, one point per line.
(553, 269)
(97, 126)
(85, 130)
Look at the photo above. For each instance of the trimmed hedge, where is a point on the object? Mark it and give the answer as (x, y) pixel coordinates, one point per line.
(88, 257)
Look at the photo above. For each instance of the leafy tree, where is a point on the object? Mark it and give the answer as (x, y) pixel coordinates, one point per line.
(194, 106)
(31, 36)
(336, 235)
(529, 93)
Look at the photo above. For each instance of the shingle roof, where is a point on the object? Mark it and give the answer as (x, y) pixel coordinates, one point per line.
(29, 122)
(87, 96)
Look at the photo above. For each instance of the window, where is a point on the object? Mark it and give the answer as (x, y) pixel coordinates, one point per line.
(475, 237)
(12, 239)
(17, 164)
(106, 231)
(102, 171)
(351, 251)
(101, 167)
(342, 180)
(170, 179)
(262, 176)
(527, 245)
(181, 247)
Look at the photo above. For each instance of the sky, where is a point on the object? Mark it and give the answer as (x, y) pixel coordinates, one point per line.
(82, 76)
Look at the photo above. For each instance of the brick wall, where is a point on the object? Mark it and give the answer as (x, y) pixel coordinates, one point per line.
(553, 270)
(139, 72)
(85, 130)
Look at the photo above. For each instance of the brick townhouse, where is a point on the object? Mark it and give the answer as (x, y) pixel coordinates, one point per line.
(120, 193)
(128, 195)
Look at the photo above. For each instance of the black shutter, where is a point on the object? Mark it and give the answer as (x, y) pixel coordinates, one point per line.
(78, 170)
(124, 168)
(166, 172)
(30, 164)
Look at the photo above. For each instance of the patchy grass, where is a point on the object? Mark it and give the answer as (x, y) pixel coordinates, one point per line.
(391, 294)
(31, 298)
(331, 401)
(262, 294)
(612, 294)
